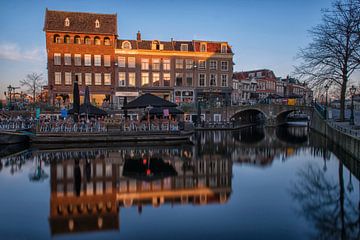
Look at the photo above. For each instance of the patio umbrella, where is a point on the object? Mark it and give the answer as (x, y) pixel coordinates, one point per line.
(149, 100)
(76, 100)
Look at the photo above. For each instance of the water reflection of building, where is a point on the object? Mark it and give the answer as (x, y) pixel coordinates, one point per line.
(88, 188)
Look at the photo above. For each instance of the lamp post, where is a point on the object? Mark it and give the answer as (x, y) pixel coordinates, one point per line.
(326, 100)
(352, 92)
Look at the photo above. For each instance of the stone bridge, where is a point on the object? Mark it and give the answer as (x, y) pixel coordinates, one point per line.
(271, 114)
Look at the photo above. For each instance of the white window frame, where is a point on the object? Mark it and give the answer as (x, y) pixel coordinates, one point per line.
(79, 78)
(97, 79)
(166, 64)
(184, 47)
(122, 79)
(144, 64)
(87, 60)
(211, 78)
(202, 74)
(57, 78)
(179, 63)
(224, 78)
(107, 79)
(156, 64)
(68, 80)
(223, 66)
(213, 65)
(107, 61)
(224, 48)
(77, 59)
(132, 79)
(57, 58)
(121, 61)
(144, 78)
(189, 64)
(166, 77)
(67, 59)
(156, 76)
(97, 60)
(88, 79)
(203, 47)
(131, 62)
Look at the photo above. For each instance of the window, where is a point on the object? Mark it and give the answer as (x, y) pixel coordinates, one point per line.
(178, 79)
(67, 22)
(57, 78)
(107, 62)
(97, 41)
(77, 39)
(121, 61)
(203, 47)
(213, 64)
(56, 38)
(107, 41)
(66, 39)
(156, 79)
(77, 59)
(202, 79)
(166, 64)
(68, 78)
(88, 80)
(87, 58)
(132, 79)
(189, 63)
(224, 80)
(97, 78)
(223, 48)
(57, 58)
(97, 24)
(87, 40)
(122, 80)
(202, 64)
(156, 45)
(131, 62)
(156, 64)
(166, 78)
(179, 64)
(189, 79)
(144, 79)
(144, 64)
(212, 79)
(67, 59)
(78, 77)
(97, 60)
(224, 65)
(107, 79)
(126, 45)
(184, 47)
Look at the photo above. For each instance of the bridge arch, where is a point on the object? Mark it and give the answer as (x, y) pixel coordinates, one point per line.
(281, 117)
(249, 115)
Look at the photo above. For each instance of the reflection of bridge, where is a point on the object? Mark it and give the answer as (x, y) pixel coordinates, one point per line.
(273, 114)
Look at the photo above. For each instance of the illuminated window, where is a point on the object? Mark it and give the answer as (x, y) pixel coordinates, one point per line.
(67, 59)
(107, 41)
(166, 65)
(57, 78)
(121, 61)
(166, 79)
(132, 79)
(68, 78)
(87, 58)
(131, 62)
(155, 64)
(122, 80)
(144, 64)
(144, 79)
(57, 58)
(78, 77)
(179, 63)
(156, 79)
(97, 41)
(107, 79)
(97, 79)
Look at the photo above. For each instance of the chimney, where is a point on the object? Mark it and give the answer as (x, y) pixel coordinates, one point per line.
(138, 36)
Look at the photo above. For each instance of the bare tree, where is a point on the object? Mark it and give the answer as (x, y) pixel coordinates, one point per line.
(33, 83)
(334, 53)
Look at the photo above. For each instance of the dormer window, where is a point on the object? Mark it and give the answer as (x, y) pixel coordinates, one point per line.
(203, 47)
(184, 47)
(67, 22)
(156, 45)
(126, 45)
(223, 48)
(97, 23)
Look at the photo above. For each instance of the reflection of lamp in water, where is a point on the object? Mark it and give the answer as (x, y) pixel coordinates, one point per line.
(350, 186)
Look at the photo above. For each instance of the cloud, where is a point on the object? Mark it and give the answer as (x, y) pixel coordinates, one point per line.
(11, 51)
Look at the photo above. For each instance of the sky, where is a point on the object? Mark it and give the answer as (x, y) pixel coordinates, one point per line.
(263, 33)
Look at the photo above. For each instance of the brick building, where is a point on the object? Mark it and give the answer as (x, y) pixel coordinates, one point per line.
(86, 46)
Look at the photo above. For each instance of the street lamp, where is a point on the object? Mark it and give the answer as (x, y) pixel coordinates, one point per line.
(352, 92)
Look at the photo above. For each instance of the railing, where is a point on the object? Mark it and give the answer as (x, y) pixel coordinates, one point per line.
(55, 127)
(347, 130)
(15, 125)
(134, 126)
(321, 109)
(216, 125)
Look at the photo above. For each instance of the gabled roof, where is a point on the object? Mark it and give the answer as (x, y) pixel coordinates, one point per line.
(265, 74)
(80, 22)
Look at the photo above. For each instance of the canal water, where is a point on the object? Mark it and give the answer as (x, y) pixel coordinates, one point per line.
(283, 183)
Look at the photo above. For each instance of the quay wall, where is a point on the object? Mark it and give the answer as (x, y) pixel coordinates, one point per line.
(348, 142)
